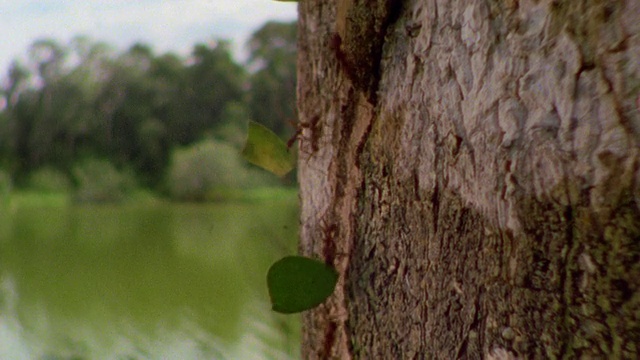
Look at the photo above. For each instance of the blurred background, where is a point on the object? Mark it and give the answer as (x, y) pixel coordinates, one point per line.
(130, 226)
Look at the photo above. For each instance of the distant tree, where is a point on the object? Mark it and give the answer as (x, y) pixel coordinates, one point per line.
(82, 100)
(34, 127)
(213, 80)
(48, 58)
(49, 105)
(272, 93)
(171, 81)
(132, 106)
(16, 84)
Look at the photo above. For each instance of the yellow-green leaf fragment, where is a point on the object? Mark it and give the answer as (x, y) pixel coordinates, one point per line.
(267, 150)
(298, 283)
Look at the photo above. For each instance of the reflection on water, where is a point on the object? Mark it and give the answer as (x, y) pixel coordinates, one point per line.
(157, 282)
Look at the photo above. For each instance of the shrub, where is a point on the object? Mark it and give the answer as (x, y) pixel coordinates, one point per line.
(198, 171)
(48, 179)
(99, 181)
(5, 187)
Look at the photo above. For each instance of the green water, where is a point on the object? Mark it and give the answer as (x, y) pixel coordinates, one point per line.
(144, 282)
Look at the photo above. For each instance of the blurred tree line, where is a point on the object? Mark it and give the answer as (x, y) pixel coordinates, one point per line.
(73, 114)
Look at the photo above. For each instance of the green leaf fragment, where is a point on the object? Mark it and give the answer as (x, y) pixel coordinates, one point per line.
(298, 283)
(267, 150)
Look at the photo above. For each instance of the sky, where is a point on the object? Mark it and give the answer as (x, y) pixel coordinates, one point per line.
(166, 25)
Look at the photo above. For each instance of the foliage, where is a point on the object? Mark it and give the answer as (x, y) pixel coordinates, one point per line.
(295, 283)
(266, 150)
(298, 283)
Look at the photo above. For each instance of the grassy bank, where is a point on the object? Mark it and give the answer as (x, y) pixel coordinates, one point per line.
(31, 198)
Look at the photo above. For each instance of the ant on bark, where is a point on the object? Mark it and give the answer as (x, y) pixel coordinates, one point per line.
(296, 135)
(330, 233)
(313, 126)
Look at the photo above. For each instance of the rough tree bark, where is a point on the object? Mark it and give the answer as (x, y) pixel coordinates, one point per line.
(471, 169)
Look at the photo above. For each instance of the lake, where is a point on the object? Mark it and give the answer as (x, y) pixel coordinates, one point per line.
(167, 281)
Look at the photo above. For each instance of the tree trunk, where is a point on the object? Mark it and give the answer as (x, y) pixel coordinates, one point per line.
(471, 168)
